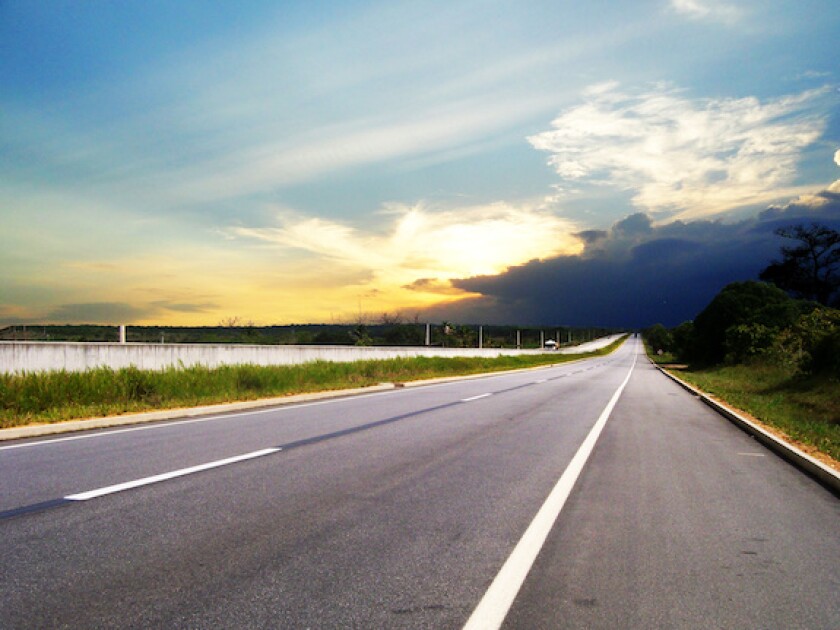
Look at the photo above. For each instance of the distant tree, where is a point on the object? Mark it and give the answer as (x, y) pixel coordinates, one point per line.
(361, 335)
(658, 338)
(236, 322)
(683, 336)
(464, 337)
(389, 319)
(811, 268)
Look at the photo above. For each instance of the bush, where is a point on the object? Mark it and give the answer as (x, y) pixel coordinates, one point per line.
(819, 333)
(745, 342)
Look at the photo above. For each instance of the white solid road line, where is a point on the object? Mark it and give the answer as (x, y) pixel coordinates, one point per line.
(471, 398)
(494, 606)
(92, 494)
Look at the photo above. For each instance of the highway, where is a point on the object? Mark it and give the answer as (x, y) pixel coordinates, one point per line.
(424, 507)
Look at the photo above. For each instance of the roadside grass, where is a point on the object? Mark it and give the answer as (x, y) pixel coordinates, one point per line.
(46, 397)
(805, 408)
(666, 358)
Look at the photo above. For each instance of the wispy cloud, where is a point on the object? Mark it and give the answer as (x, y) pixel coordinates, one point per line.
(681, 156)
(708, 10)
(425, 245)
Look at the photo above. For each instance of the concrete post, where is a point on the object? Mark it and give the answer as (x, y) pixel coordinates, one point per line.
(480, 337)
(122, 333)
(518, 339)
(428, 334)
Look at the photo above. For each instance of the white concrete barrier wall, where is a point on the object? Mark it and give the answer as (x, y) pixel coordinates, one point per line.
(16, 357)
(78, 357)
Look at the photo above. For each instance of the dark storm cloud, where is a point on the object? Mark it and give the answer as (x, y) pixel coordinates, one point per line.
(432, 285)
(636, 274)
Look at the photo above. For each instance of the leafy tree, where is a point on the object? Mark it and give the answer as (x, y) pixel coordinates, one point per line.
(819, 332)
(745, 342)
(683, 340)
(658, 338)
(811, 268)
(742, 303)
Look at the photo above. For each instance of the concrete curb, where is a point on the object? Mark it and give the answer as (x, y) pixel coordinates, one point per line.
(813, 467)
(40, 430)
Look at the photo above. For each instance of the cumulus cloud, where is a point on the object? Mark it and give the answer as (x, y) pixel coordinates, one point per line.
(684, 157)
(637, 272)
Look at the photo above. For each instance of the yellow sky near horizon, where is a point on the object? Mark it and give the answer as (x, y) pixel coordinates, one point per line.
(309, 270)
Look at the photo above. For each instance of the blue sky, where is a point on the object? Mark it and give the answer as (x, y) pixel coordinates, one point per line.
(185, 162)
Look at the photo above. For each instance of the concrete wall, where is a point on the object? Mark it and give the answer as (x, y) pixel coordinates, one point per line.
(77, 357)
(35, 356)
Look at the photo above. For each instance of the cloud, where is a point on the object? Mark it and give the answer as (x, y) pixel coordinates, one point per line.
(186, 307)
(416, 242)
(707, 10)
(433, 285)
(823, 203)
(636, 273)
(98, 313)
(683, 157)
(278, 108)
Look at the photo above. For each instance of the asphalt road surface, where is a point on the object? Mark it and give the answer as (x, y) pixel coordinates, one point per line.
(424, 508)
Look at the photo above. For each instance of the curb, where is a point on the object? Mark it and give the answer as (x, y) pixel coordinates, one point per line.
(69, 426)
(807, 464)
(39, 430)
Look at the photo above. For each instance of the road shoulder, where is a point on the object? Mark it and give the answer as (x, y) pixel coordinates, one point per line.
(820, 466)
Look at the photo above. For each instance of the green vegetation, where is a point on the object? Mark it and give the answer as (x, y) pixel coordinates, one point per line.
(775, 357)
(55, 396)
(805, 407)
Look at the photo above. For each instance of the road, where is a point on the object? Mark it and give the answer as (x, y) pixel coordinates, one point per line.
(401, 509)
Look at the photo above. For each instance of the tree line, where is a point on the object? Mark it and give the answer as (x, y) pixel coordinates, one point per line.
(789, 317)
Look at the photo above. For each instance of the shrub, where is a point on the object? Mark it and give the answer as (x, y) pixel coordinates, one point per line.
(819, 332)
(745, 342)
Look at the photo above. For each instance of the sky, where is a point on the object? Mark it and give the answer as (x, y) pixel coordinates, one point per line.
(520, 162)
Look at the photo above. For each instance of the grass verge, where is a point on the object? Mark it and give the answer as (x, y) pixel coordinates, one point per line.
(47, 397)
(803, 409)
